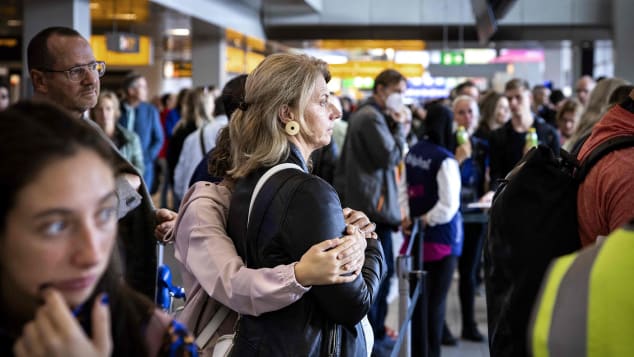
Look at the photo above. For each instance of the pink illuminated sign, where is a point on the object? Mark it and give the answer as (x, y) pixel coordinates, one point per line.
(519, 55)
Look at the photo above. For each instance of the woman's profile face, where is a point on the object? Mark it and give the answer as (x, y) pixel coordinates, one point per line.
(105, 115)
(464, 114)
(567, 123)
(502, 111)
(319, 116)
(60, 231)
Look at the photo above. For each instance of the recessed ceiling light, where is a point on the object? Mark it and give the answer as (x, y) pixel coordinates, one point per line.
(125, 16)
(178, 32)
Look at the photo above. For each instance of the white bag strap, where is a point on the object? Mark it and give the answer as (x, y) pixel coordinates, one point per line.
(212, 326)
(221, 313)
(258, 186)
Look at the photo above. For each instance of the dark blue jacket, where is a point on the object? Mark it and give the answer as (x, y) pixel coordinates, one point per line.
(147, 125)
(422, 164)
(507, 146)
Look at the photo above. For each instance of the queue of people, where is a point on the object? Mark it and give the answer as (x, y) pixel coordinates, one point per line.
(302, 265)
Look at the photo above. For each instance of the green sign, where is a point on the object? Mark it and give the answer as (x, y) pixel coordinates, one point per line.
(452, 58)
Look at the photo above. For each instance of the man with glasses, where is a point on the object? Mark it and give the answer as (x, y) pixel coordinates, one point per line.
(64, 70)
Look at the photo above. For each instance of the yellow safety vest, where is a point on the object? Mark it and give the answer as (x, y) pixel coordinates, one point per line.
(586, 303)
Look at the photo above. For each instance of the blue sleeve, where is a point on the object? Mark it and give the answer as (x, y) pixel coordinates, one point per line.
(157, 133)
(170, 122)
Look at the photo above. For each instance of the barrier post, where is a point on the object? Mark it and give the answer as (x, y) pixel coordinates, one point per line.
(403, 268)
(419, 317)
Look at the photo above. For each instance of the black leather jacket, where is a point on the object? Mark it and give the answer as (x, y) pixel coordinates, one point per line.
(299, 216)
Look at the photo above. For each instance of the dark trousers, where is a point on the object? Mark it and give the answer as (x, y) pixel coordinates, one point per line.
(378, 311)
(468, 265)
(439, 275)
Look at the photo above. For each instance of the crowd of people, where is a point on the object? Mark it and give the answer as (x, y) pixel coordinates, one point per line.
(302, 258)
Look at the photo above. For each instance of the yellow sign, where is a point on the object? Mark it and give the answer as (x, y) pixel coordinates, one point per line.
(373, 68)
(177, 69)
(8, 42)
(397, 45)
(238, 62)
(120, 10)
(142, 58)
(238, 39)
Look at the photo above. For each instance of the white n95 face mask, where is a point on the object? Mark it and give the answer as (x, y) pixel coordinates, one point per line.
(394, 102)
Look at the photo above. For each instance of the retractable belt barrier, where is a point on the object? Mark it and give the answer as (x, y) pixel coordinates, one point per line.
(412, 298)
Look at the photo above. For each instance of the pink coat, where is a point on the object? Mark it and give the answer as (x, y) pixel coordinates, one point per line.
(209, 258)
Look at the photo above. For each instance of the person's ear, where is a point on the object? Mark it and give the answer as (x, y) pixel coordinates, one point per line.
(39, 81)
(285, 114)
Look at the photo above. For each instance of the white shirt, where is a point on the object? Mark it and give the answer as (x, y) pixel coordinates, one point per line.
(192, 153)
(449, 184)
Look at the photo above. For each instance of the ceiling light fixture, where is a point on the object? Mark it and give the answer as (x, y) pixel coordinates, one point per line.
(178, 32)
(125, 16)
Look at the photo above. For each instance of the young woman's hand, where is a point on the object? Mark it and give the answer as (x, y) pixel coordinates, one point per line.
(463, 152)
(333, 261)
(56, 332)
(361, 221)
(166, 219)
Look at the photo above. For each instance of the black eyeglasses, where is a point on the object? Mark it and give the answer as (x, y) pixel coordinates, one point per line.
(78, 73)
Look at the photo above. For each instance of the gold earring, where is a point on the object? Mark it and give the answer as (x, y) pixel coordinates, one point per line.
(292, 128)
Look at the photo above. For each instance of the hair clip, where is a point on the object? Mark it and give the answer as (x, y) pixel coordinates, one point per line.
(243, 105)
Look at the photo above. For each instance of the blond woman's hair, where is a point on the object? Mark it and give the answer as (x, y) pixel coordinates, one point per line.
(107, 94)
(256, 131)
(195, 109)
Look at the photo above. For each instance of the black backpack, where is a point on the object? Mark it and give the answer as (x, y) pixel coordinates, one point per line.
(533, 219)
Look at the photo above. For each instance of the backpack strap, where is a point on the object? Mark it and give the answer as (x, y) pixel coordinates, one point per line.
(613, 144)
(203, 149)
(211, 327)
(258, 186)
(260, 201)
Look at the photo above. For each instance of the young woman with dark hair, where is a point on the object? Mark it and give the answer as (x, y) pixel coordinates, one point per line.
(61, 291)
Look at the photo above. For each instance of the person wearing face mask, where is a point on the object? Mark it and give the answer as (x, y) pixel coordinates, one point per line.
(366, 180)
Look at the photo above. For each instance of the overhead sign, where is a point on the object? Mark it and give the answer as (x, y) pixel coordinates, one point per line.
(122, 42)
(177, 69)
(519, 55)
(141, 58)
(371, 69)
(10, 49)
(397, 45)
(452, 58)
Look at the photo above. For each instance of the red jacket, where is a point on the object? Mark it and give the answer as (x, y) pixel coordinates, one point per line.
(605, 199)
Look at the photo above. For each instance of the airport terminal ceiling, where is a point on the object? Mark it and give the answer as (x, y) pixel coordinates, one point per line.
(135, 13)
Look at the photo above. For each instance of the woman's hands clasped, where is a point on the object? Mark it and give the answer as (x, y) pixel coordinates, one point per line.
(337, 260)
